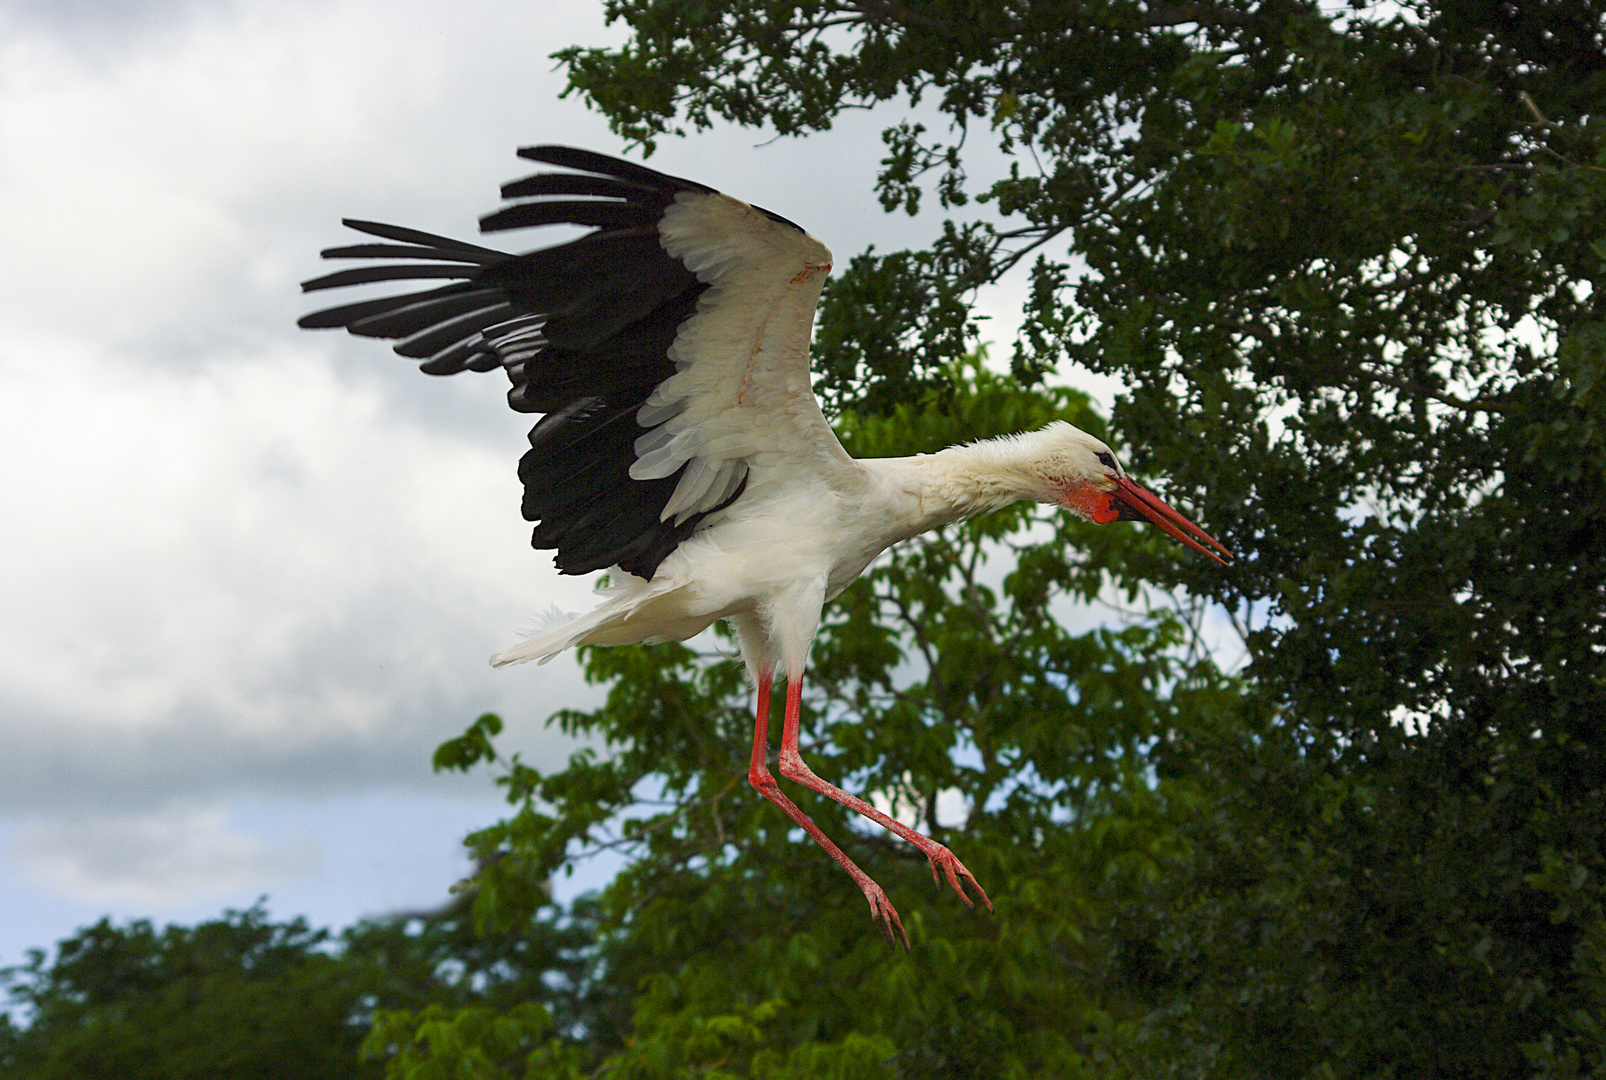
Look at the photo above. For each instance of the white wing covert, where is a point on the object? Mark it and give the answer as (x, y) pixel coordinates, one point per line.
(740, 399)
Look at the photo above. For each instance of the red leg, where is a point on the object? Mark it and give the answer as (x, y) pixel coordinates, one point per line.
(794, 768)
(758, 774)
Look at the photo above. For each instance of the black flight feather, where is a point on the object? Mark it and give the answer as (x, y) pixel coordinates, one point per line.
(414, 236)
(574, 184)
(347, 315)
(572, 157)
(366, 275)
(602, 213)
(408, 251)
(407, 318)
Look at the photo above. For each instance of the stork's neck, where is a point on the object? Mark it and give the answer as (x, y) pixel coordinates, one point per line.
(961, 482)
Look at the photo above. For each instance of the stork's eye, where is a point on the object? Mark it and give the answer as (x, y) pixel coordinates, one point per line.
(1107, 458)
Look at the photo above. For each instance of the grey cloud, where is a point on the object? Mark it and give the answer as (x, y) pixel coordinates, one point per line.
(91, 25)
(55, 762)
(176, 853)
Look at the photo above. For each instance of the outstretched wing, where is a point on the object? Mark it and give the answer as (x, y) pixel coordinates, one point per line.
(668, 347)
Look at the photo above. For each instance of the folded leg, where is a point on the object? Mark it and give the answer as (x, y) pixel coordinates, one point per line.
(793, 768)
(758, 775)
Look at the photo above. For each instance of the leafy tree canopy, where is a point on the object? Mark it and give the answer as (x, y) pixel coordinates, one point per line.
(1347, 263)
(241, 996)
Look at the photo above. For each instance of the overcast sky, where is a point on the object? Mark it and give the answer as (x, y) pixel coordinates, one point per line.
(252, 575)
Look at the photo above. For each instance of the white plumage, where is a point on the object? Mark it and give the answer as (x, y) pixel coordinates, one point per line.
(683, 444)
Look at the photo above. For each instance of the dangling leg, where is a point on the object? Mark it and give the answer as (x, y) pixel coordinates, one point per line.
(794, 768)
(758, 774)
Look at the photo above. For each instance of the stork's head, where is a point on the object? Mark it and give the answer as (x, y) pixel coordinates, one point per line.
(1074, 470)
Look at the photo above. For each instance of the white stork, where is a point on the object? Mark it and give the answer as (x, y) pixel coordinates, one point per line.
(682, 445)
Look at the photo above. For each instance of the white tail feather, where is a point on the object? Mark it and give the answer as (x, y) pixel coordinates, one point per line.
(565, 630)
(556, 630)
(550, 619)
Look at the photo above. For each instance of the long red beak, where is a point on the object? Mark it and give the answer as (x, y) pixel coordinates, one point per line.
(1134, 502)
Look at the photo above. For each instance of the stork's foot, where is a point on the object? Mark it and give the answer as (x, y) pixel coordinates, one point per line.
(945, 862)
(885, 915)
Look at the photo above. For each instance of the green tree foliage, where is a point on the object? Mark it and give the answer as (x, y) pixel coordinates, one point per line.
(1348, 264)
(241, 996)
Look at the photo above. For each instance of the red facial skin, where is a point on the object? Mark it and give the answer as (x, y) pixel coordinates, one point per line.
(1131, 501)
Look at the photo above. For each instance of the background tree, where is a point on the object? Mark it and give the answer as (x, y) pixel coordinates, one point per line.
(1347, 264)
(240, 996)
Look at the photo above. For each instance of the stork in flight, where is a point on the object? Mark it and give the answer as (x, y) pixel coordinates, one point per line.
(682, 445)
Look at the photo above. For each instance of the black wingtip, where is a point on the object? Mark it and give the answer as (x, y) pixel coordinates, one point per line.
(416, 236)
(596, 213)
(572, 157)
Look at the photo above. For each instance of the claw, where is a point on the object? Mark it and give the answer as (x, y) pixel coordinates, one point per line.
(954, 869)
(885, 916)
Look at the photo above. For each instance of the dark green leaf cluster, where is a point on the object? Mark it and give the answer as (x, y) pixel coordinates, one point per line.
(220, 999)
(241, 996)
